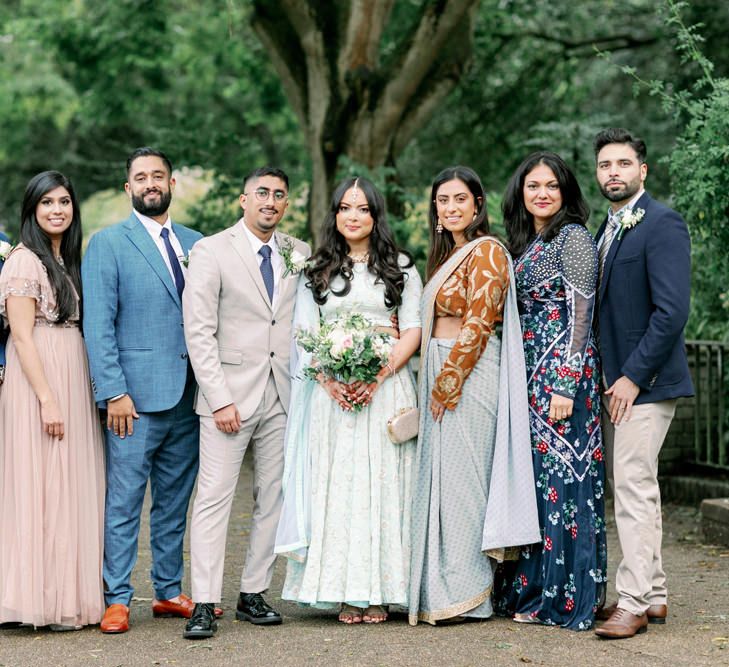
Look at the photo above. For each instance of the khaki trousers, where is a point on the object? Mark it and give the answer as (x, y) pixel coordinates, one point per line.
(631, 453)
(221, 455)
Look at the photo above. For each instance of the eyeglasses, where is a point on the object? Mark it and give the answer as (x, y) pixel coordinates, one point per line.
(262, 194)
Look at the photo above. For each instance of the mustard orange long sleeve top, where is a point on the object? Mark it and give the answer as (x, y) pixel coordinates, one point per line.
(475, 292)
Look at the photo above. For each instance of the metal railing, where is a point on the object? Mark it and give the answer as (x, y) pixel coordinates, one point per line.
(708, 361)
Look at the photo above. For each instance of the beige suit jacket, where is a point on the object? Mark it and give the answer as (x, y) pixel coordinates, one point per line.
(234, 337)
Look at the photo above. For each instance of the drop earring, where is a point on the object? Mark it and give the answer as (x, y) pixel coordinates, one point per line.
(439, 227)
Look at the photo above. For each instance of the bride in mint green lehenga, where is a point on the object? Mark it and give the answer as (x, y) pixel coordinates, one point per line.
(345, 523)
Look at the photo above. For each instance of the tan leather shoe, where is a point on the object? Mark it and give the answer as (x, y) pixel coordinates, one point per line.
(622, 624)
(181, 609)
(116, 619)
(656, 613)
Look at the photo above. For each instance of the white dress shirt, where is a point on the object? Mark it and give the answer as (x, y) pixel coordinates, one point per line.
(277, 263)
(155, 231)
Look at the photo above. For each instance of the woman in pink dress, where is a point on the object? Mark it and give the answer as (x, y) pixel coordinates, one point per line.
(51, 451)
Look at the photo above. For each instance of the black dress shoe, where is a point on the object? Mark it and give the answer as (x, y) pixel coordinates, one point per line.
(202, 623)
(253, 608)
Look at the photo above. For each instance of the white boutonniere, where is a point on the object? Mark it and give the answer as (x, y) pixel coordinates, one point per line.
(5, 249)
(184, 259)
(294, 261)
(629, 218)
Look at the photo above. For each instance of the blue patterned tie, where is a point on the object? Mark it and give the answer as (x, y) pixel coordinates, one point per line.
(267, 270)
(174, 262)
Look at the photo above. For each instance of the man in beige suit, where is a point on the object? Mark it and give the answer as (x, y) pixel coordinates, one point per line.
(238, 308)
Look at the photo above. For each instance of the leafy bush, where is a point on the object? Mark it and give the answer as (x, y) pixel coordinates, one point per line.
(699, 169)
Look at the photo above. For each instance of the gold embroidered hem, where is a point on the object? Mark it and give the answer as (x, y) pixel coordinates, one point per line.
(504, 553)
(455, 610)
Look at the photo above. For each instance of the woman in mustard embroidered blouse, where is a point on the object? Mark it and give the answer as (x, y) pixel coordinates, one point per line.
(469, 282)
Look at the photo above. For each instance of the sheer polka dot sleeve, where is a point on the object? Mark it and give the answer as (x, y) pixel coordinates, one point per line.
(578, 265)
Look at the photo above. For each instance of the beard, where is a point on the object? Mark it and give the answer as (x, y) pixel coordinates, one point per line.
(152, 210)
(623, 194)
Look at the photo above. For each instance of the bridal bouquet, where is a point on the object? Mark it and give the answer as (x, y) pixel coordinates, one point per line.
(347, 349)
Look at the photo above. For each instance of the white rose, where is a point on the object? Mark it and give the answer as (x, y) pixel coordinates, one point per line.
(298, 260)
(336, 339)
(381, 348)
(5, 249)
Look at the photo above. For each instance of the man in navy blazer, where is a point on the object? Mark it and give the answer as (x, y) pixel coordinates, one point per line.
(3, 330)
(133, 276)
(643, 305)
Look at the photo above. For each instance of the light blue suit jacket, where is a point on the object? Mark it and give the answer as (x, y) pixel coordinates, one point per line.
(133, 317)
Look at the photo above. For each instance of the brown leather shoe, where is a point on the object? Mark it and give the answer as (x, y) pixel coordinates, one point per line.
(116, 619)
(622, 624)
(604, 613)
(656, 613)
(181, 609)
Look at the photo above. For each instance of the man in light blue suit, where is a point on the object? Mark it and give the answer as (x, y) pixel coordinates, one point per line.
(133, 276)
(3, 330)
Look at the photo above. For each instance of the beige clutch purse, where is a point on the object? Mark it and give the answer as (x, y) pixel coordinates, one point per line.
(404, 425)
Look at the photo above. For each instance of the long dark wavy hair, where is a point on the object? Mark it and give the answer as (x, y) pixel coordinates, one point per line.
(36, 240)
(519, 222)
(442, 244)
(331, 258)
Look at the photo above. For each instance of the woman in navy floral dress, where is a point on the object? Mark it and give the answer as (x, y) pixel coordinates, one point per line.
(562, 580)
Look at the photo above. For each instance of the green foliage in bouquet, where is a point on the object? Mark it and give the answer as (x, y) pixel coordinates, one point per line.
(347, 349)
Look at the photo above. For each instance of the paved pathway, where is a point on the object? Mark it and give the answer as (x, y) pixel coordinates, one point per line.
(697, 633)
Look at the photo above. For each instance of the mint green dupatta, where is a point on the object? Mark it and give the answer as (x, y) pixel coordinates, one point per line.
(292, 535)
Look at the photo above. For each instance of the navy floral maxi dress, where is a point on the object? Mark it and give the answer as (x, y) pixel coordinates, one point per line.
(562, 580)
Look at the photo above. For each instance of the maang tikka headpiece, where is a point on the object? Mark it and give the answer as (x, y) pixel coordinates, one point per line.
(355, 189)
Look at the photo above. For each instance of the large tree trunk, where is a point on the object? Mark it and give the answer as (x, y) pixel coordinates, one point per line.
(350, 100)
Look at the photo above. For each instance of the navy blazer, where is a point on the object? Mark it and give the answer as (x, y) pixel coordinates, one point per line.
(644, 304)
(133, 317)
(3, 331)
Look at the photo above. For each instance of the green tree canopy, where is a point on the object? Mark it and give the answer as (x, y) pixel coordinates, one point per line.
(230, 84)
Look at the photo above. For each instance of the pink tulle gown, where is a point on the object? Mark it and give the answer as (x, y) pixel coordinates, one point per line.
(51, 491)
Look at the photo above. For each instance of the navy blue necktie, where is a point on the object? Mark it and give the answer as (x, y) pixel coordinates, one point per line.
(174, 262)
(267, 270)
